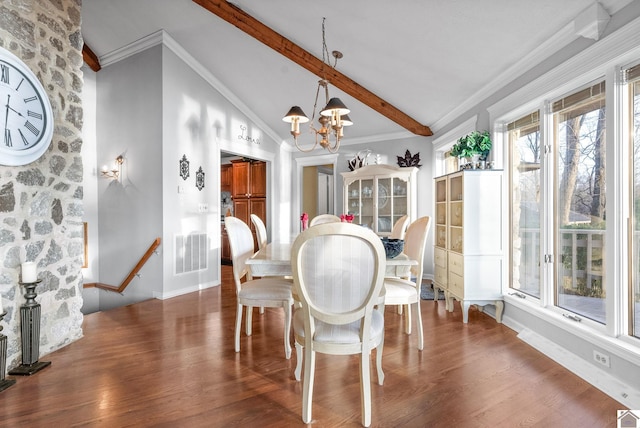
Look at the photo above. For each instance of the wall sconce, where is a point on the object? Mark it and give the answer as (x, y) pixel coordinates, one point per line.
(114, 173)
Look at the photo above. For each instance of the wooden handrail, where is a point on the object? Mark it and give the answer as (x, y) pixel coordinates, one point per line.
(133, 272)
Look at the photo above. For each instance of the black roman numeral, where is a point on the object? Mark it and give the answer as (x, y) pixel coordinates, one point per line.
(31, 128)
(24, 139)
(20, 84)
(7, 138)
(4, 76)
(34, 114)
(27, 100)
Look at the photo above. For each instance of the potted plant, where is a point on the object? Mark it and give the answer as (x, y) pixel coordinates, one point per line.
(473, 146)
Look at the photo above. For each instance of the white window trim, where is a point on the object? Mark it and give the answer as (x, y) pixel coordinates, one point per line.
(604, 58)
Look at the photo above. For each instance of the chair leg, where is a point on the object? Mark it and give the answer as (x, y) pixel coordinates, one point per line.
(298, 371)
(249, 325)
(365, 388)
(419, 327)
(307, 387)
(379, 362)
(407, 320)
(238, 327)
(287, 331)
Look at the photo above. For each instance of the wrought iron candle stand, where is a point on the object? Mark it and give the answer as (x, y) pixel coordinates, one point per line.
(4, 383)
(30, 332)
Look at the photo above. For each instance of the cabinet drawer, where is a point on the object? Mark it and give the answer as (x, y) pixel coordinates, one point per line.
(440, 257)
(440, 276)
(456, 264)
(456, 285)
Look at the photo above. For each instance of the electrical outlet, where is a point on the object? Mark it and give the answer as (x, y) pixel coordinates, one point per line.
(601, 358)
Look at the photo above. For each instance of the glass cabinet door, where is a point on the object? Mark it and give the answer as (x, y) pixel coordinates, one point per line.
(399, 199)
(385, 206)
(360, 202)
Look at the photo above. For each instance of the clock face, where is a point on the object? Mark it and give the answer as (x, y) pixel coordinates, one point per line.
(25, 113)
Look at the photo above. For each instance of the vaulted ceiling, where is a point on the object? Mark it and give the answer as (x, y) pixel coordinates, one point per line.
(425, 61)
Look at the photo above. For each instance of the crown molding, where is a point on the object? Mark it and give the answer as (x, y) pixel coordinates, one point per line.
(162, 37)
(561, 39)
(617, 48)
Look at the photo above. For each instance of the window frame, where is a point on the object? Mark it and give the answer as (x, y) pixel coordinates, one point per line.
(606, 58)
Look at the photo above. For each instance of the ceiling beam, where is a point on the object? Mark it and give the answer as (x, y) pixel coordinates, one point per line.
(256, 29)
(90, 58)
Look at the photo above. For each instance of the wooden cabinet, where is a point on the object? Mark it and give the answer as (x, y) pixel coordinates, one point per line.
(226, 178)
(468, 253)
(249, 179)
(378, 195)
(224, 245)
(249, 191)
(258, 180)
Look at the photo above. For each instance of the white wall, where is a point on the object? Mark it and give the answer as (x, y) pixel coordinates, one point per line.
(129, 111)
(153, 107)
(91, 296)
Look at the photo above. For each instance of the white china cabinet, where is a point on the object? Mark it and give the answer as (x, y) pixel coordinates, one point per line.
(378, 195)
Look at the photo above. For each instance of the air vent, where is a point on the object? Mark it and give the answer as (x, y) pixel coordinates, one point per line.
(191, 252)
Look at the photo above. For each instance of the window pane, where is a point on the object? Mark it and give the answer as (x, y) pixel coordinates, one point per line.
(580, 205)
(524, 144)
(635, 263)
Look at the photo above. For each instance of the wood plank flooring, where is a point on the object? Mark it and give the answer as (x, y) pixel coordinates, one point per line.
(171, 364)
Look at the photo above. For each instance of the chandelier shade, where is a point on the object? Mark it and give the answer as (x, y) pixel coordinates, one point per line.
(333, 107)
(295, 113)
(332, 118)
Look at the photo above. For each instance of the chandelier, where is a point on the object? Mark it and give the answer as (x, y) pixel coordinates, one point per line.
(332, 118)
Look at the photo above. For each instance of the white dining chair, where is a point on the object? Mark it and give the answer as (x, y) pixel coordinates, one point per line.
(270, 292)
(406, 291)
(324, 218)
(261, 231)
(338, 271)
(400, 228)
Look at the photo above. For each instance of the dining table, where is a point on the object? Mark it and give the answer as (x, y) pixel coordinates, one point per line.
(275, 260)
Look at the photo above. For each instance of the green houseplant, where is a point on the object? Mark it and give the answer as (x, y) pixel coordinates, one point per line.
(474, 143)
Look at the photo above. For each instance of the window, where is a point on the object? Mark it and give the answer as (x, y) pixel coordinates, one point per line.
(523, 140)
(633, 79)
(580, 202)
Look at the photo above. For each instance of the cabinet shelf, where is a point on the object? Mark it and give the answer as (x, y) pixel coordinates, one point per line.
(378, 195)
(468, 251)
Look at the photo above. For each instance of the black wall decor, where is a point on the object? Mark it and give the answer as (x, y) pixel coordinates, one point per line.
(200, 179)
(409, 160)
(184, 167)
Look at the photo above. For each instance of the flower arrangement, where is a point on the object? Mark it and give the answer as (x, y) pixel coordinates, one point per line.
(346, 217)
(475, 143)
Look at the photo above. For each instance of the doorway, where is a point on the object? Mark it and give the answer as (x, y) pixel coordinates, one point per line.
(318, 190)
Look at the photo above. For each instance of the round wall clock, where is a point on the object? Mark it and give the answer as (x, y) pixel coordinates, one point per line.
(26, 118)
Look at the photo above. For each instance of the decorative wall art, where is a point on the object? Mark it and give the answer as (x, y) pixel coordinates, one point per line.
(184, 167)
(409, 160)
(200, 179)
(361, 159)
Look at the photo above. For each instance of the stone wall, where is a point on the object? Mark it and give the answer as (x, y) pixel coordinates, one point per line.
(41, 205)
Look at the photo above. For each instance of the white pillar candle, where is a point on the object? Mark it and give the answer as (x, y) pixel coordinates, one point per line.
(29, 272)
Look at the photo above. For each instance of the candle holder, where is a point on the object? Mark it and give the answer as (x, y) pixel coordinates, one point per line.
(30, 333)
(4, 383)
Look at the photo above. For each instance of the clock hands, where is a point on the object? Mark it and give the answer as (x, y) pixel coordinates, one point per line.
(11, 108)
(7, 135)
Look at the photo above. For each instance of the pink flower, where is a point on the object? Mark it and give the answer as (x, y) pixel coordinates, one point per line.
(304, 216)
(349, 217)
(342, 218)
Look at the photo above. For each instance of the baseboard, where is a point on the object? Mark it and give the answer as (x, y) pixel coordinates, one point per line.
(186, 290)
(616, 389)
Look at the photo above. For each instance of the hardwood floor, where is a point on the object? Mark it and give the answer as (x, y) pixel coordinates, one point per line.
(172, 363)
